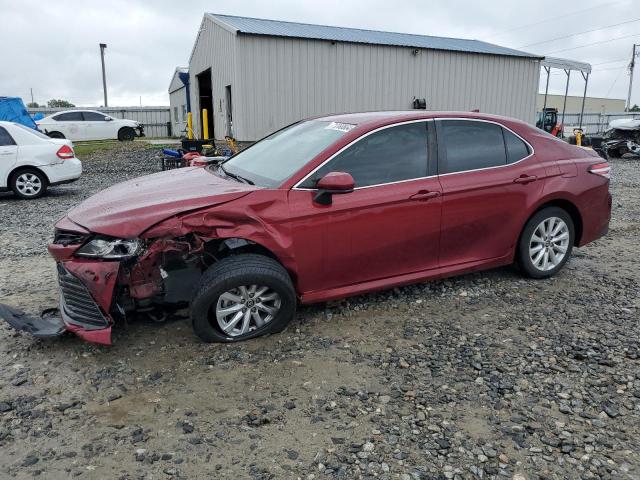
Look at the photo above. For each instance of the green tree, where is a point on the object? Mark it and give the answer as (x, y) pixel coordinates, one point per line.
(635, 108)
(59, 103)
(33, 105)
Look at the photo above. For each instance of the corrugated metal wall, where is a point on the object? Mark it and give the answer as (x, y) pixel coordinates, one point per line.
(283, 80)
(215, 48)
(276, 81)
(178, 100)
(154, 119)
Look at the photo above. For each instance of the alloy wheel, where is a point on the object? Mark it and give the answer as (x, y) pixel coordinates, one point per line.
(28, 184)
(549, 243)
(246, 308)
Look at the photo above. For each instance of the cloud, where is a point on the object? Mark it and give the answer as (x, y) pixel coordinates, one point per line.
(52, 47)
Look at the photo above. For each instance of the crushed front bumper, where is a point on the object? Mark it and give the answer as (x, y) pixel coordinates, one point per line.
(86, 290)
(80, 310)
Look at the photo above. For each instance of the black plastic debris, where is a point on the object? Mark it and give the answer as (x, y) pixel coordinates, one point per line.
(49, 324)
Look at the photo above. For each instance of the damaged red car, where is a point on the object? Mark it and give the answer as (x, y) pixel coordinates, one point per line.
(324, 209)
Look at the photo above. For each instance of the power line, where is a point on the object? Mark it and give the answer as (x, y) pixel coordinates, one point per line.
(581, 33)
(550, 19)
(610, 61)
(594, 43)
(614, 82)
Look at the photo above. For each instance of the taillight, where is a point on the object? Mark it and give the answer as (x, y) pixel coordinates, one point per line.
(603, 169)
(65, 152)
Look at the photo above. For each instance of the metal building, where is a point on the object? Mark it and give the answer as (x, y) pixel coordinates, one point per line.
(178, 100)
(591, 104)
(254, 76)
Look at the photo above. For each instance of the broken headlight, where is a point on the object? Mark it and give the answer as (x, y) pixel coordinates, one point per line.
(109, 248)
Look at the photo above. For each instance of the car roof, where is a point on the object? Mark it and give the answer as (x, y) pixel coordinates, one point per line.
(372, 119)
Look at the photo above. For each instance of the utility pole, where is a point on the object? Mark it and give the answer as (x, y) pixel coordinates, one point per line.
(104, 76)
(631, 66)
(31, 94)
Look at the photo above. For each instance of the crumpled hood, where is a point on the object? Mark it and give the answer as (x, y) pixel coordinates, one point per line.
(127, 209)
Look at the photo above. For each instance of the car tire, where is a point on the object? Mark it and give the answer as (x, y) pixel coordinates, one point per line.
(29, 183)
(542, 254)
(225, 291)
(126, 134)
(55, 135)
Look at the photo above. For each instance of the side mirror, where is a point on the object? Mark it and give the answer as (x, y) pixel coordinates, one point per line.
(108, 119)
(333, 183)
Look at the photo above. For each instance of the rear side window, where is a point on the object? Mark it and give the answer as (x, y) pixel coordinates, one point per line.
(69, 117)
(93, 117)
(516, 148)
(470, 145)
(5, 138)
(389, 155)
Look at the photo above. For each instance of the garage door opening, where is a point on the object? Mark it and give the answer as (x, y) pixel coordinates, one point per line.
(205, 100)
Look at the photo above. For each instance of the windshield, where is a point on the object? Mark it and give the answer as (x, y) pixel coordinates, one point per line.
(275, 158)
(32, 131)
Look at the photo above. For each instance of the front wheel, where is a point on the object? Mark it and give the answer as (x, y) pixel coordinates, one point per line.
(546, 243)
(242, 297)
(126, 134)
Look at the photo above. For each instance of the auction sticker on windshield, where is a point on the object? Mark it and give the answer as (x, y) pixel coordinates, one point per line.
(341, 127)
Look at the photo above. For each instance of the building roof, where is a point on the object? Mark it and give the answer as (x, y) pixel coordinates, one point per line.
(277, 28)
(176, 83)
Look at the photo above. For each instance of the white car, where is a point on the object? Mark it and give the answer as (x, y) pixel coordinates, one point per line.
(30, 161)
(89, 125)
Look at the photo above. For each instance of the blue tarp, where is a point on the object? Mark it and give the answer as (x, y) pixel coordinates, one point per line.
(13, 110)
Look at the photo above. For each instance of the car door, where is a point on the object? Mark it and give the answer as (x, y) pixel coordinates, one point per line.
(388, 226)
(490, 178)
(98, 126)
(8, 155)
(71, 125)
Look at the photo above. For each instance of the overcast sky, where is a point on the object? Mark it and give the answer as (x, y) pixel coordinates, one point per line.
(52, 46)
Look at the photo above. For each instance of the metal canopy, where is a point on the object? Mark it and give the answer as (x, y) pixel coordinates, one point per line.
(567, 65)
(563, 63)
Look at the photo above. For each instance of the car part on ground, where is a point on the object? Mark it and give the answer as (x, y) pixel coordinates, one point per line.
(274, 220)
(49, 324)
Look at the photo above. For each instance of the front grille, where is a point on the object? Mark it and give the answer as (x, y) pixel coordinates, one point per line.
(77, 302)
(65, 237)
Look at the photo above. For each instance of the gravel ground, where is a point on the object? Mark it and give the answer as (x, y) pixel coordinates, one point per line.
(482, 376)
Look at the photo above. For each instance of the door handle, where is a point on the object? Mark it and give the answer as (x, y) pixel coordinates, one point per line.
(524, 179)
(424, 195)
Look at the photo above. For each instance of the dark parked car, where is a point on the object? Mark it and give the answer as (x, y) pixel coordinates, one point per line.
(323, 209)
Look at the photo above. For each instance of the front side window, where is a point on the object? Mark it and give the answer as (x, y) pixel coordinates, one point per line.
(389, 155)
(69, 117)
(275, 158)
(5, 139)
(93, 117)
(470, 145)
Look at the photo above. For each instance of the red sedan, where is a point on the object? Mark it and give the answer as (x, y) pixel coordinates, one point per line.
(323, 209)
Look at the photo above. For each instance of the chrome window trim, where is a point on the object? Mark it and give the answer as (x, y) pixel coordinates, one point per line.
(296, 186)
(496, 166)
(384, 127)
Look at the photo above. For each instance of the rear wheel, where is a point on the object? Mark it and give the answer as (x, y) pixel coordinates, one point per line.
(126, 134)
(242, 297)
(546, 243)
(29, 183)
